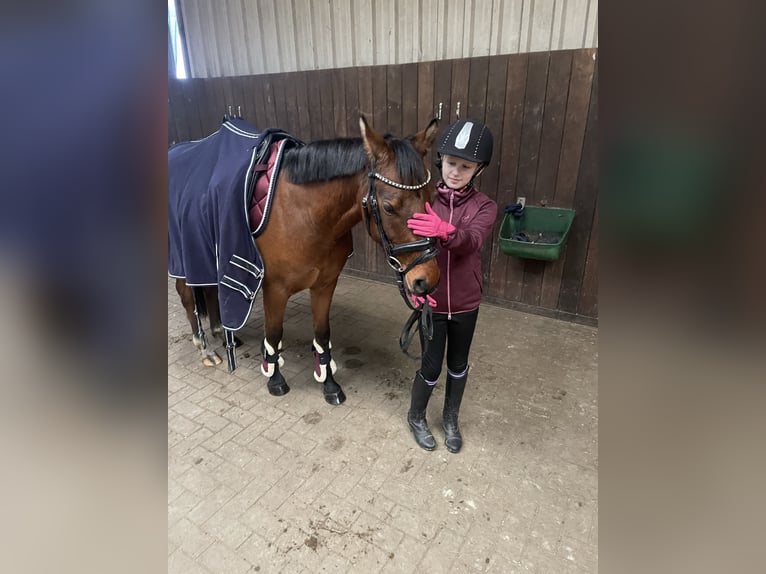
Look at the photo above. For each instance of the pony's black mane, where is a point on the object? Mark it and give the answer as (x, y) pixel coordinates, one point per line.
(325, 160)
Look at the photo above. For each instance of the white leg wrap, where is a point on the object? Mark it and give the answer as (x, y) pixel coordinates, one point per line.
(321, 376)
(267, 369)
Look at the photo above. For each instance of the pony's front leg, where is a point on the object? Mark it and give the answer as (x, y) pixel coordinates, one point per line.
(274, 313)
(324, 366)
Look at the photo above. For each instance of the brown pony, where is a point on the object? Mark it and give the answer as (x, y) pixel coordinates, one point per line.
(324, 189)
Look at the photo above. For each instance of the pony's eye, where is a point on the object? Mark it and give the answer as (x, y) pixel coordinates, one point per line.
(388, 208)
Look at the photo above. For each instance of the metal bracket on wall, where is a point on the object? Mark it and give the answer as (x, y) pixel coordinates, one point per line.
(457, 111)
(439, 115)
(522, 200)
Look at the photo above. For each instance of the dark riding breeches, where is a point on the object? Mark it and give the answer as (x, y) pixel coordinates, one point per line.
(453, 335)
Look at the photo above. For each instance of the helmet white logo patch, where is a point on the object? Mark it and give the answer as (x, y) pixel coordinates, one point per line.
(464, 136)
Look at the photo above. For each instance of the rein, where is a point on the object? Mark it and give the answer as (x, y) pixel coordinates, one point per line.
(427, 248)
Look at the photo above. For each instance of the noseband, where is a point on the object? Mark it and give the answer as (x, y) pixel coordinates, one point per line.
(426, 246)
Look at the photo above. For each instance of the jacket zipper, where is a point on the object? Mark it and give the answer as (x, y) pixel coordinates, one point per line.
(449, 297)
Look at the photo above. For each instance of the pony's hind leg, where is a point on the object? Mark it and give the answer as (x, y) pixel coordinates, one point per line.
(213, 311)
(324, 365)
(274, 304)
(193, 301)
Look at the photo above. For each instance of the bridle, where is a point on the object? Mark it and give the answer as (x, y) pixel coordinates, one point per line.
(426, 246)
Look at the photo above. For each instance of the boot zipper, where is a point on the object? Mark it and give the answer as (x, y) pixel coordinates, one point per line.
(449, 298)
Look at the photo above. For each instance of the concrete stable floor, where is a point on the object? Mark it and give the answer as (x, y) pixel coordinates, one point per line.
(291, 484)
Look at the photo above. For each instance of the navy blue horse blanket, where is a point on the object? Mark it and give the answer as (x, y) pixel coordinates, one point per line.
(213, 194)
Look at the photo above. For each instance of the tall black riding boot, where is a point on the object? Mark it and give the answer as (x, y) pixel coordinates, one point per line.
(421, 393)
(453, 396)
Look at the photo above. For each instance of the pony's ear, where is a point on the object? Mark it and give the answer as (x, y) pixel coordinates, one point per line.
(423, 140)
(374, 144)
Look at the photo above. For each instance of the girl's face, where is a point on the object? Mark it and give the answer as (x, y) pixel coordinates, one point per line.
(457, 172)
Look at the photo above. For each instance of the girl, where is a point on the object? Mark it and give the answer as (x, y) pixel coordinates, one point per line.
(461, 219)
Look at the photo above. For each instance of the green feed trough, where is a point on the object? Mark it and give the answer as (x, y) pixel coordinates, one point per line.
(540, 233)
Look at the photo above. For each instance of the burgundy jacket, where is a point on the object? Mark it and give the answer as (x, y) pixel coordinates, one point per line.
(473, 215)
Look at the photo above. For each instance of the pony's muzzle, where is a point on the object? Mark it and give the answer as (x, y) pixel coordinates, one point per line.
(422, 279)
(421, 287)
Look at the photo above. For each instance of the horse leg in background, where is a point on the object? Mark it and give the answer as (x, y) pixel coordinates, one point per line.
(324, 366)
(213, 311)
(195, 315)
(274, 304)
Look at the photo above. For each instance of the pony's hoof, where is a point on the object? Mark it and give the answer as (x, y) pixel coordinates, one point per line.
(212, 360)
(237, 342)
(278, 386)
(335, 398)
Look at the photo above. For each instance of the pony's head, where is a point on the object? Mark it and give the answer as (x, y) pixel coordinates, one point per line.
(399, 185)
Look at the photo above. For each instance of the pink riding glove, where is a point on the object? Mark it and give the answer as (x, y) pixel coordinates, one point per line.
(429, 224)
(417, 300)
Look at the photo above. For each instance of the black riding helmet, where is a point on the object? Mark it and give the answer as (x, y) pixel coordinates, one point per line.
(467, 139)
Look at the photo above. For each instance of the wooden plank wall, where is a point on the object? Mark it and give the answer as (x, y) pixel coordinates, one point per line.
(542, 109)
